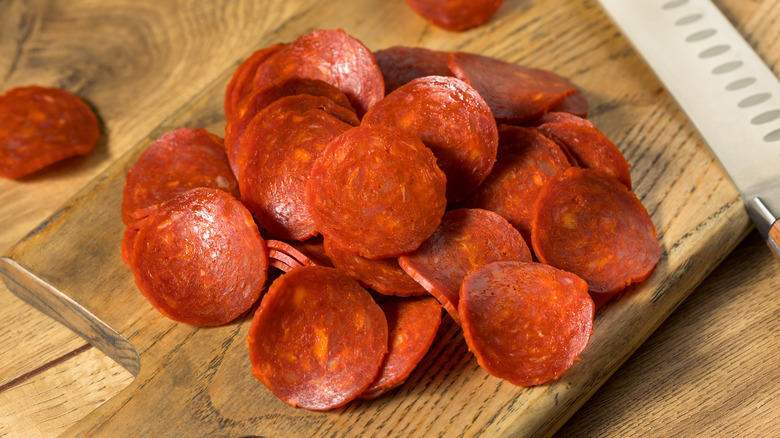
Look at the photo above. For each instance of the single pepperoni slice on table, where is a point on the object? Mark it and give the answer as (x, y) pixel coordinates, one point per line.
(318, 338)
(592, 225)
(331, 56)
(412, 325)
(451, 119)
(466, 239)
(456, 15)
(179, 160)
(41, 126)
(526, 160)
(377, 192)
(382, 275)
(514, 93)
(525, 322)
(199, 258)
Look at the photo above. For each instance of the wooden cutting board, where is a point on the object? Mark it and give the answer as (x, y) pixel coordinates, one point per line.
(197, 381)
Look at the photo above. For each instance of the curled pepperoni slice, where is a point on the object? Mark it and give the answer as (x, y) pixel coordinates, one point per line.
(179, 160)
(400, 64)
(242, 82)
(450, 117)
(377, 192)
(318, 338)
(466, 239)
(331, 56)
(41, 126)
(412, 324)
(595, 227)
(278, 150)
(456, 15)
(199, 258)
(525, 322)
(382, 275)
(590, 148)
(526, 161)
(514, 93)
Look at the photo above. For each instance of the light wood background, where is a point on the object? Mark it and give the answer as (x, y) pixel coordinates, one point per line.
(711, 369)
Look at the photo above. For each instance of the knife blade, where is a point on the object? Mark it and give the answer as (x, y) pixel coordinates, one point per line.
(722, 86)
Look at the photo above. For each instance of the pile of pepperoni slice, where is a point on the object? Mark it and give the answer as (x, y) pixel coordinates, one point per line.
(470, 184)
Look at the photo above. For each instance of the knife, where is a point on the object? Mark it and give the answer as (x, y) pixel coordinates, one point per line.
(722, 86)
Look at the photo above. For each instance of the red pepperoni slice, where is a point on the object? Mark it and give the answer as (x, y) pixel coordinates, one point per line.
(284, 267)
(525, 322)
(377, 192)
(331, 56)
(576, 104)
(513, 92)
(451, 119)
(290, 251)
(285, 259)
(41, 126)
(302, 102)
(400, 64)
(526, 161)
(199, 259)
(278, 150)
(314, 250)
(412, 324)
(595, 227)
(318, 338)
(555, 117)
(382, 275)
(466, 239)
(128, 241)
(181, 159)
(455, 15)
(591, 148)
(242, 82)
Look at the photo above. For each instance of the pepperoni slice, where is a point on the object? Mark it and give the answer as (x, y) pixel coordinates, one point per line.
(556, 116)
(242, 82)
(595, 227)
(377, 192)
(576, 104)
(452, 120)
(278, 150)
(128, 241)
(302, 102)
(318, 338)
(591, 148)
(382, 275)
(525, 322)
(289, 251)
(456, 15)
(331, 56)
(313, 250)
(513, 92)
(41, 126)
(179, 160)
(199, 259)
(526, 161)
(466, 239)
(412, 324)
(401, 64)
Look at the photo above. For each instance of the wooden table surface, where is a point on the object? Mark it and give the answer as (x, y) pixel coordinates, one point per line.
(712, 369)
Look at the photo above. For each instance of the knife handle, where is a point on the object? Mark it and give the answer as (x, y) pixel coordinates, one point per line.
(767, 223)
(773, 239)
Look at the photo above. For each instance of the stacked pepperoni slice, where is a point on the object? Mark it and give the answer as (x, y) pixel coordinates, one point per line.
(462, 185)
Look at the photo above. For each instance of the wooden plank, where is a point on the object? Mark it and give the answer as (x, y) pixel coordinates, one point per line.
(632, 112)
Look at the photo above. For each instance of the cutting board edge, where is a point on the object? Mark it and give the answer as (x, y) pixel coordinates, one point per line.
(58, 306)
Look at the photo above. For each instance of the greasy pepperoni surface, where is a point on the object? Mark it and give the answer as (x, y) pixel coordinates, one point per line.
(451, 119)
(456, 15)
(242, 82)
(377, 192)
(41, 126)
(595, 227)
(331, 56)
(318, 338)
(199, 258)
(591, 148)
(466, 239)
(382, 275)
(525, 322)
(514, 93)
(526, 161)
(412, 324)
(400, 64)
(179, 160)
(278, 149)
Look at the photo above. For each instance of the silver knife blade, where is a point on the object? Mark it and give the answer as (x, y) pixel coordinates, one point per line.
(724, 88)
